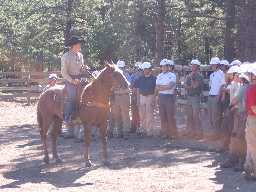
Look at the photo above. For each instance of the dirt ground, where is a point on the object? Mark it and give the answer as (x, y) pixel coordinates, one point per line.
(137, 164)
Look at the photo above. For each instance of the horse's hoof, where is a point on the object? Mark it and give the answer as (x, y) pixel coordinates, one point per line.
(46, 160)
(88, 164)
(106, 163)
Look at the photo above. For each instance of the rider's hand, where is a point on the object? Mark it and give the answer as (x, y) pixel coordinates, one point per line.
(85, 67)
(75, 81)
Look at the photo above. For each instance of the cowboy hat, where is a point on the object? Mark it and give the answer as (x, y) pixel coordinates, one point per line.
(74, 40)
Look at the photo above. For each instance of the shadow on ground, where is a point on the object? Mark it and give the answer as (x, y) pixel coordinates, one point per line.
(61, 178)
(135, 152)
(233, 181)
(13, 134)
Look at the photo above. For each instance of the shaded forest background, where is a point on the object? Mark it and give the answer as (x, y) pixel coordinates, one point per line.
(33, 32)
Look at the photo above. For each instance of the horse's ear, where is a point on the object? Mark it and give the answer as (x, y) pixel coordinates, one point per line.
(109, 65)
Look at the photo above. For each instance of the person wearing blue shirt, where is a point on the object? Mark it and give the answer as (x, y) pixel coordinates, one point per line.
(137, 73)
(146, 87)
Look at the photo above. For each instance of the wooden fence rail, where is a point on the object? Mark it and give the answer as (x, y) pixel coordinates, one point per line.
(24, 84)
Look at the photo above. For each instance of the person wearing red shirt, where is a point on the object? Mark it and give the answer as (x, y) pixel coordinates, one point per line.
(250, 163)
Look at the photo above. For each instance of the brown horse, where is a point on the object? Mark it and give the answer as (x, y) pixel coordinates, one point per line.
(93, 111)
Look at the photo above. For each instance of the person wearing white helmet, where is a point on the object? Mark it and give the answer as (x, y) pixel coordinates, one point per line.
(145, 86)
(194, 86)
(171, 65)
(138, 65)
(250, 131)
(138, 72)
(122, 66)
(52, 80)
(217, 79)
(226, 114)
(120, 107)
(165, 86)
(231, 116)
(224, 65)
(237, 147)
(236, 62)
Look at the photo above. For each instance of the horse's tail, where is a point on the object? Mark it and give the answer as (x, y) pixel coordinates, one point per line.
(39, 119)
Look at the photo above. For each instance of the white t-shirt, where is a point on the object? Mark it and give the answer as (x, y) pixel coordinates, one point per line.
(234, 89)
(166, 79)
(217, 79)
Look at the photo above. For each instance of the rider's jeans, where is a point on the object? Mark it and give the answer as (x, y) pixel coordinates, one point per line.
(70, 102)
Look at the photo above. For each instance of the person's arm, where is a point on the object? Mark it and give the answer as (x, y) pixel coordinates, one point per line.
(166, 87)
(254, 109)
(234, 101)
(171, 85)
(64, 70)
(252, 102)
(84, 68)
(201, 83)
(222, 79)
(157, 89)
(187, 85)
(135, 86)
(210, 82)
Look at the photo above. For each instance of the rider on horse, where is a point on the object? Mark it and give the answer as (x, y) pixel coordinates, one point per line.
(72, 66)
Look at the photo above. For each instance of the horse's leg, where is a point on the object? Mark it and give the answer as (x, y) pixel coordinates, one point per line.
(43, 132)
(54, 136)
(88, 137)
(103, 137)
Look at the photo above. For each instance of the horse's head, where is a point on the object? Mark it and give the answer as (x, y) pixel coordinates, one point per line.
(113, 77)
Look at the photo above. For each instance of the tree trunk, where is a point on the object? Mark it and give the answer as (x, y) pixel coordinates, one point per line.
(229, 44)
(69, 20)
(247, 31)
(159, 24)
(139, 30)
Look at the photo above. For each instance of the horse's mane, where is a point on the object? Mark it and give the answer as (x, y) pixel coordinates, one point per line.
(99, 84)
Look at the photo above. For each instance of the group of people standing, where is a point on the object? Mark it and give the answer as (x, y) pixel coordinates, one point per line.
(232, 114)
(149, 90)
(231, 106)
(231, 103)
(144, 87)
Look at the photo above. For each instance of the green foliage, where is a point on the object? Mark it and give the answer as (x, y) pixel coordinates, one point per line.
(33, 31)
